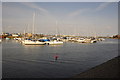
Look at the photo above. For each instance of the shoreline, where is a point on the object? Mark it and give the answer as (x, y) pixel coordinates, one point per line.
(109, 69)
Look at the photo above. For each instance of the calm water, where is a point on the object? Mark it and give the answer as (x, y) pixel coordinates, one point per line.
(31, 61)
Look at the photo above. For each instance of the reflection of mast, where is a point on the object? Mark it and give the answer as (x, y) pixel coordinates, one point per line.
(33, 32)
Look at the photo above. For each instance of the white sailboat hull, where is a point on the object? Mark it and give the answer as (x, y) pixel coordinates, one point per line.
(28, 42)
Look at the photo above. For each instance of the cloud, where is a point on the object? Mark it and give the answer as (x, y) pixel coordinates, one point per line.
(99, 8)
(104, 5)
(77, 12)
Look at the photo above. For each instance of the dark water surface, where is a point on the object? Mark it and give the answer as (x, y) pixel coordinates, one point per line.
(37, 61)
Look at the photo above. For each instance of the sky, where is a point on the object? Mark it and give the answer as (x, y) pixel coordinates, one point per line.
(68, 18)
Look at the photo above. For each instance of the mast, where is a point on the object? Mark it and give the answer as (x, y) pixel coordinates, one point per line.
(28, 28)
(33, 32)
(25, 32)
(95, 35)
(56, 29)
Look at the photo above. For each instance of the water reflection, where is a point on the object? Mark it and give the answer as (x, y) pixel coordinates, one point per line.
(33, 45)
(55, 45)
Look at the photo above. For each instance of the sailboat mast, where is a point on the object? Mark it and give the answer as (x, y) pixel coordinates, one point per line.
(33, 32)
(24, 34)
(56, 29)
(28, 28)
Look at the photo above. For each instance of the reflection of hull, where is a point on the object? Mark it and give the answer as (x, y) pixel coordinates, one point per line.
(54, 42)
(29, 42)
(0, 40)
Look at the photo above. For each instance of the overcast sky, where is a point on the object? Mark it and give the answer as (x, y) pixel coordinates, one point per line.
(69, 18)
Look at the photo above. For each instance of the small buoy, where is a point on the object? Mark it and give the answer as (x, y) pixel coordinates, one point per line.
(56, 57)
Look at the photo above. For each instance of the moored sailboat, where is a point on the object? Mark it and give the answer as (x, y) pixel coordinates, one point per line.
(31, 41)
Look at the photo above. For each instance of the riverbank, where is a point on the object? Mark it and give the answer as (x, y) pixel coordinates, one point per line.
(109, 69)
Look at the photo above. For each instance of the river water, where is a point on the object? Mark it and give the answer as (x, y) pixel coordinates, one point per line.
(37, 61)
